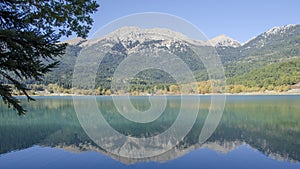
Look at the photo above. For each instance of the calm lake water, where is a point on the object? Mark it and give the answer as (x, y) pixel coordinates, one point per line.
(254, 132)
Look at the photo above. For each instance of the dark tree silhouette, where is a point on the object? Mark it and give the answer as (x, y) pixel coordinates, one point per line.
(29, 39)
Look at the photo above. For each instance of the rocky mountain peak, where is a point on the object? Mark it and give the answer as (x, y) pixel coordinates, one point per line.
(132, 32)
(279, 29)
(224, 40)
(274, 35)
(75, 41)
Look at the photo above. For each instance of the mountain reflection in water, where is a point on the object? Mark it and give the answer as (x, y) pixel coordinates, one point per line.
(267, 124)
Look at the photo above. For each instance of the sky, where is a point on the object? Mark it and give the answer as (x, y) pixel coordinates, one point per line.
(238, 19)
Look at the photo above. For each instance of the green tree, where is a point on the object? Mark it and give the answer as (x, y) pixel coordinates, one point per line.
(174, 89)
(29, 39)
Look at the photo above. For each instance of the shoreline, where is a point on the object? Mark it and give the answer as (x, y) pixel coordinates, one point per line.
(208, 94)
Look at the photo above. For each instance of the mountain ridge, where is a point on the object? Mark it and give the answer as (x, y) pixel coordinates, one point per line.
(280, 44)
(210, 42)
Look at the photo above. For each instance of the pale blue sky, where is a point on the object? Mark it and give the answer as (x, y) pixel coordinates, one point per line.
(238, 19)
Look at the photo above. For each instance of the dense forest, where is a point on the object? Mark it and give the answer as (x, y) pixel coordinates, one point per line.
(276, 77)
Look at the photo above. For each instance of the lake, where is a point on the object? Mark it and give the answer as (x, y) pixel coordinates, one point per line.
(254, 132)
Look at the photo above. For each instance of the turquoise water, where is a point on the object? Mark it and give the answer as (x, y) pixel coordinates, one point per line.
(254, 132)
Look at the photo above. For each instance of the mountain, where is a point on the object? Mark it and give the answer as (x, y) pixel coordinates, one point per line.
(224, 40)
(274, 36)
(131, 34)
(122, 43)
(277, 45)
